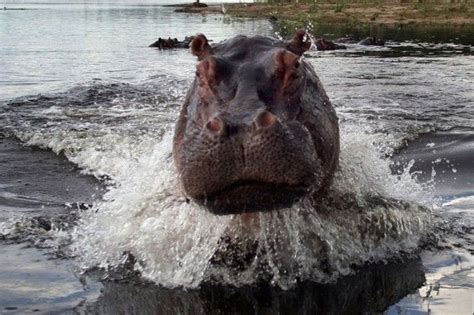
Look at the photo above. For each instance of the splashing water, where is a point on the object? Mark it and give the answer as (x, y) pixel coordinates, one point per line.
(177, 243)
(124, 132)
(147, 216)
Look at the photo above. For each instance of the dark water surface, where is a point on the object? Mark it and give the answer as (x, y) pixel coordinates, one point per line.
(78, 80)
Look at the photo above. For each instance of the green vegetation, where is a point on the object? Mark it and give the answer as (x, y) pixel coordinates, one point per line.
(340, 6)
(364, 11)
(366, 2)
(361, 17)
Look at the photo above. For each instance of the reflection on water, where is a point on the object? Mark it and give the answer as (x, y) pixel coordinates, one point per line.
(406, 49)
(443, 33)
(448, 289)
(370, 291)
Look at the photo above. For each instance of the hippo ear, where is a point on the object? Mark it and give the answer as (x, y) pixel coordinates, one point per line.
(286, 66)
(200, 47)
(300, 43)
(207, 77)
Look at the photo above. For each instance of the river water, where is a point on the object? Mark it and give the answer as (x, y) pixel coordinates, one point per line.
(86, 114)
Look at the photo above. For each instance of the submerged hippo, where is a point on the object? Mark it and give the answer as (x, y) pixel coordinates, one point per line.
(257, 130)
(372, 41)
(170, 43)
(324, 44)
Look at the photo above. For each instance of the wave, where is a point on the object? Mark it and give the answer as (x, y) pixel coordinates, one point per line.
(99, 127)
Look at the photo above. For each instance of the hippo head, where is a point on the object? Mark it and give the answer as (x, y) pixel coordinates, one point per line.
(256, 131)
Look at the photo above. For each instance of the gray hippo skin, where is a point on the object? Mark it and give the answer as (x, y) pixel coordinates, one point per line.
(257, 130)
(372, 41)
(169, 43)
(324, 44)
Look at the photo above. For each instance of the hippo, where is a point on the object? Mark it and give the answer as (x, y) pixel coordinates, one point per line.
(162, 43)
(324, 44)
(169, 43)
(256, 130)
(372, 41)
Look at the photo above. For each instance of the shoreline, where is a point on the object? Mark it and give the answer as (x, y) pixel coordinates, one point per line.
(388, 14)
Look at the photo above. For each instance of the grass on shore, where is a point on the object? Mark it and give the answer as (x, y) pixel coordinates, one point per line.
(387, 12)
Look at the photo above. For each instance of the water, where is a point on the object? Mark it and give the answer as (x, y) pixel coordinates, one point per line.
(107, 104)
(53, 47)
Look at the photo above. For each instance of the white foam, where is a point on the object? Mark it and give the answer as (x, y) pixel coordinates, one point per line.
(147, 216)
(365, 168)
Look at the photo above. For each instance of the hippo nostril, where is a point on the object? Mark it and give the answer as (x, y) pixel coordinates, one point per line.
(265, 119)
(215, 125)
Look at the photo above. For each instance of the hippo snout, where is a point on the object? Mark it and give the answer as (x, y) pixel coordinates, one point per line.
(250, 163)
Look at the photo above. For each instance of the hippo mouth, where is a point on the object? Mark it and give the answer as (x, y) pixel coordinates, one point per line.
(252, 196)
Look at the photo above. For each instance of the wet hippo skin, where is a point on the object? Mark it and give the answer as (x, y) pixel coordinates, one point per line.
(257, 130)
(163, 44)
(324, 44)
(372, 41)
(368, 292)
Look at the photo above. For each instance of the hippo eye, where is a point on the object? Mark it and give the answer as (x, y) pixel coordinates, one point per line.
(297, 65)
(198, 74)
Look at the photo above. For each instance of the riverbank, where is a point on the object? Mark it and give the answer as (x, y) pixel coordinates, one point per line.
(368, 12)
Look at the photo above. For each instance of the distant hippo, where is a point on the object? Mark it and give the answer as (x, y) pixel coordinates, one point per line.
(169, 43)
(324, 44)
(257, 130)
(372, 41)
